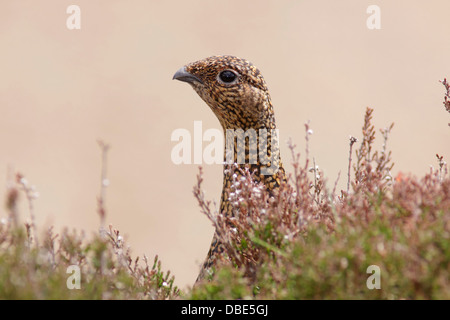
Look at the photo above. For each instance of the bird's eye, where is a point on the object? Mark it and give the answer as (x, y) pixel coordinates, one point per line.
(227, 76)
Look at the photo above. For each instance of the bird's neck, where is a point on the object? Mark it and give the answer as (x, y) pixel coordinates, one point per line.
(255, 149)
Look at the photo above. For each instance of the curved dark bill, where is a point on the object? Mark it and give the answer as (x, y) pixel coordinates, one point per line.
(185, 76)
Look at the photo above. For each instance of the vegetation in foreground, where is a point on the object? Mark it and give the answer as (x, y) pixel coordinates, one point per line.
(382, 238)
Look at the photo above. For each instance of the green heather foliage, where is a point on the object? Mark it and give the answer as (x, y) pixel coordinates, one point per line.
(303, 242)
(308, 243)
(28, 271)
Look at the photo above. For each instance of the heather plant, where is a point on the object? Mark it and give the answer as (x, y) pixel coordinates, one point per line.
(303, 241)
(68, 265)
(447, 95)
(306, 242)
(106, 268)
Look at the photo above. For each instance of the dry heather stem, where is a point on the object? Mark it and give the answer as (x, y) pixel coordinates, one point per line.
(447, 95)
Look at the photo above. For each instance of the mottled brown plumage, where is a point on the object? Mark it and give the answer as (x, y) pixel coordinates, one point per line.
(236, 92)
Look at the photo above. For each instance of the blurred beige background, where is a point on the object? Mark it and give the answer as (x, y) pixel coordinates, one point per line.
(61, 90)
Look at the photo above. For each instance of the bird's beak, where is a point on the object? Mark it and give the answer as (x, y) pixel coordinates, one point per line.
(185, 76)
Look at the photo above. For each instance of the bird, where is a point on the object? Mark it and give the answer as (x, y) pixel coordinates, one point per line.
(237, 94)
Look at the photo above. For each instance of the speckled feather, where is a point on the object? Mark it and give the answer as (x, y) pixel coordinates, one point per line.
(243, 104)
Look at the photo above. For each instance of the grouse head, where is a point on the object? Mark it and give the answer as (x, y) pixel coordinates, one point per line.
(234, 89)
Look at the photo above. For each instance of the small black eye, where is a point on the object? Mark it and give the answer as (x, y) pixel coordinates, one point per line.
(227, 76)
